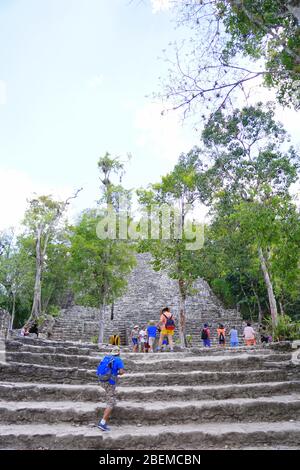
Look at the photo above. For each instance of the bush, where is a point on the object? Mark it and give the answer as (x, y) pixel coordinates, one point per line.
(285, 330)
(94, 339)
(54, 311)
(189, 339)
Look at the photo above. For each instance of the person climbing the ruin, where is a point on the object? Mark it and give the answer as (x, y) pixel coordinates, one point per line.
(249, 335)
(167, 325)
(234, 338)
(108, 371)
(205, 336)
(151, 331)
(135, 338)
(221, 334)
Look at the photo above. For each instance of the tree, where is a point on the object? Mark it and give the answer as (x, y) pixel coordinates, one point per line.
(99, 266)
(250, 174)
(234, 43)
(16, 276)
(173, 199)
(41, 221)
(102, 261)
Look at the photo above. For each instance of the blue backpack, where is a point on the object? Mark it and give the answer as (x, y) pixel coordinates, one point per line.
(104, 369)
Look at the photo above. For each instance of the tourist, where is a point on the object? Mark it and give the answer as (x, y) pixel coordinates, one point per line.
(24, 331)
(34, 329)
(205, 336)
(234, 338)
(167, 326)
(249, 335)
(142, 339)
(117, 368)
(151, 331)
(264, 337)
(135, 338)
(221, 334)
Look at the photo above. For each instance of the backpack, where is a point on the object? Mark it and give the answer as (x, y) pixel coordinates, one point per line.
(170, 324)
(104, 369)
(204, 334)
(221, 337)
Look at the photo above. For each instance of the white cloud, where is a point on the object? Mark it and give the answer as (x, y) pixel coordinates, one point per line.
(3, 92)
(160, 5)
(16, 188)
(163, 134)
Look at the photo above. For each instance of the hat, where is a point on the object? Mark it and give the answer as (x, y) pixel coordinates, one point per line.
(151, 322)
(205, 325)
(136, 326)
(115, 351)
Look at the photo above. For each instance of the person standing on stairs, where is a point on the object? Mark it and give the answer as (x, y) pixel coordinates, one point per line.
(167, 328)
(249, 335)
(221, 334)
(205, 336)
(234, 338)
(151, 331)
(135, 338)
(116, 366)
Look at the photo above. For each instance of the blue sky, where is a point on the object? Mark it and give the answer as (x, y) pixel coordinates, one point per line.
(76, 75)
(73, 79)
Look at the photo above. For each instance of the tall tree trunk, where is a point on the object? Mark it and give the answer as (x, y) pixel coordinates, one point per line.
(37, 296)
(281, 309)
(272, 299)
(112, 311)
(13, 312)
(247, 301)
(260, 313)
(182, 313)
(101, 324)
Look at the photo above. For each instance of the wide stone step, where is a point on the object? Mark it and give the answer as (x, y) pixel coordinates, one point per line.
(191, 436)
(276, 408)
(43, 342)
(54, 392)
(21, 372)
(154, 363)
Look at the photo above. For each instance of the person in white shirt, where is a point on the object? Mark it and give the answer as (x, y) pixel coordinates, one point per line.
(143, 339)
(249, 335)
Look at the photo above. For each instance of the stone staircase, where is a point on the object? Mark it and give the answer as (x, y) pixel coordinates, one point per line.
(191, 399)
(147, 293)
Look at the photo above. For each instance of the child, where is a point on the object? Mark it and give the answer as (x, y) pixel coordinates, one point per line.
(135, 338)
(165, 344)
(151, 331)
(234, 339)
(25, 331)
(143, 339)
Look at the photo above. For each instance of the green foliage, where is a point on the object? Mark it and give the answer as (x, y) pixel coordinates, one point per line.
(248, 164)
(54, 310)
(247, 187)
(189, 339)
(232, 44)
(98, 266)
(94, 339)
(285, 330)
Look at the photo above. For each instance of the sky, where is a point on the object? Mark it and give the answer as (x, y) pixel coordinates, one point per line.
(75, 80)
